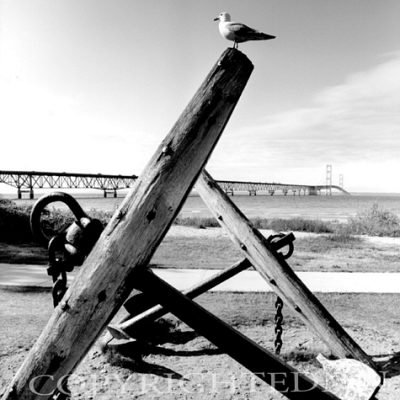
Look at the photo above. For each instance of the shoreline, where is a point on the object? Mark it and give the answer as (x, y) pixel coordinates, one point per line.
(327, 208)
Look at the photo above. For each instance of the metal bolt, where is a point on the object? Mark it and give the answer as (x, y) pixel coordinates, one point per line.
(166, 150)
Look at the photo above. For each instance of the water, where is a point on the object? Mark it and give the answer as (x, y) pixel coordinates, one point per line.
(336, 207)
(314, 207)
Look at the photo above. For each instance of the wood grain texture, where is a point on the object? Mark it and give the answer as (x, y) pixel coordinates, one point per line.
(133, 234)
(278, 274)
(262, 363)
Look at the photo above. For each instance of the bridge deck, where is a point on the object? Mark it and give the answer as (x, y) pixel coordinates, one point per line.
(27, 181)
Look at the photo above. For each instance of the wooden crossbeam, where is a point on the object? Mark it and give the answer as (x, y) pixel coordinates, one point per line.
(127, 328)
(134, 233)
(278, 274)
(261, 362)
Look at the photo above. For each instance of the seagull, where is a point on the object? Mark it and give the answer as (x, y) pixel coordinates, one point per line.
(238, 32)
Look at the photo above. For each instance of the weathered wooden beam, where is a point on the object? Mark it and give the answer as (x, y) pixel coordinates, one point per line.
(133, 234)
(194, 291)
(261, 362)
(278, 274)
(127, 328)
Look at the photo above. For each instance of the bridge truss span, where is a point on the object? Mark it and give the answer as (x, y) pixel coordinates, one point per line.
(27, 181)
(232, 187)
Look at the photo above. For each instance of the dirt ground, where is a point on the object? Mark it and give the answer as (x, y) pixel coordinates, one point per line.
(173, 362)
(170, 361)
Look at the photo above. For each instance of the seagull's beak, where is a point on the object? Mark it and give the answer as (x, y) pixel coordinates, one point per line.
(216, 19)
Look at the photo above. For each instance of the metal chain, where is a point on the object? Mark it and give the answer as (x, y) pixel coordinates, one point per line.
(278, 242)
(278, 325)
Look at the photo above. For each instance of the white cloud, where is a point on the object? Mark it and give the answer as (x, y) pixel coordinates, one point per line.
(352, 125)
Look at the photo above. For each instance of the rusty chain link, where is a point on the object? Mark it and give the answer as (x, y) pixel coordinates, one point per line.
(278, 242)
(278, 325)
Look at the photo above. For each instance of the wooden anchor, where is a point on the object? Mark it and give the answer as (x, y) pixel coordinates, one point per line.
(119, 260)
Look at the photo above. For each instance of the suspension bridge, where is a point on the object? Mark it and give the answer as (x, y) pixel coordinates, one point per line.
(232, 187)
(27, 181)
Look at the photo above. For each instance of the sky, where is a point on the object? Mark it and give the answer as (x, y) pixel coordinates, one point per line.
(95, 85)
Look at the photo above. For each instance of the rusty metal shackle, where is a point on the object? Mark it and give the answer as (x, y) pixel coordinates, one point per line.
(281, 240)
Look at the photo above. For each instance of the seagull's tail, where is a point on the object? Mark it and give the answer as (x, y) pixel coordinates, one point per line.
(261, 36)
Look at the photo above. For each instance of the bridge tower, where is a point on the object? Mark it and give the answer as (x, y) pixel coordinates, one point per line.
(329, 180)
(341, 180)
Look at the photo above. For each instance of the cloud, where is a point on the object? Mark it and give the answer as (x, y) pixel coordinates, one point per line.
(358, 118)
(349, 124)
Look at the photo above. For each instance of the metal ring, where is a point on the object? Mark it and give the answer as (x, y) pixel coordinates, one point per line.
(41, 204)
(274, 239)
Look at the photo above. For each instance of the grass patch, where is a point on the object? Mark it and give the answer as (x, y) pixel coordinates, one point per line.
(375, 221)
(197, 222)
(14, 223)
(325, 244)
(343, 235)
(293, 224)
(276, 224)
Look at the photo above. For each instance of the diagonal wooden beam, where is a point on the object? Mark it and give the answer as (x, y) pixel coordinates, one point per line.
(278, 274)
(129, 326)
(265, 365)
(134, 233)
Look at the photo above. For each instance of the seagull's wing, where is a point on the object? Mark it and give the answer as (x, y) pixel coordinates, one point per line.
(244, 32)
(240, 29)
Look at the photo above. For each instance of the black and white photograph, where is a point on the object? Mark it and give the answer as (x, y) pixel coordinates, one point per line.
(199, 200)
